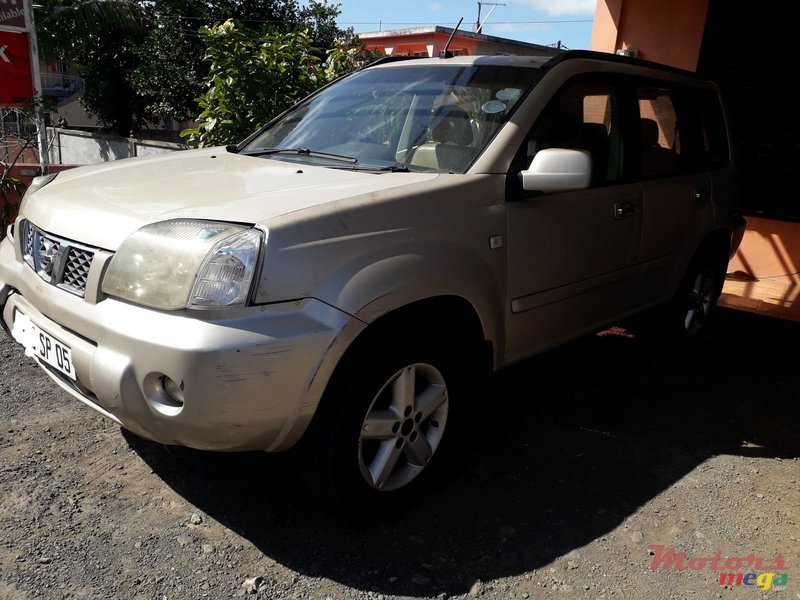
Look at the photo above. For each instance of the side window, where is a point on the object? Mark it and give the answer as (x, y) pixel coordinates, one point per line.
(714, 136)
(660, 132)
(682, 131)
(583, 117)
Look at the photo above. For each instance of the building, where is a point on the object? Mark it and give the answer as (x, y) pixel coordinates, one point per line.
(431, 40)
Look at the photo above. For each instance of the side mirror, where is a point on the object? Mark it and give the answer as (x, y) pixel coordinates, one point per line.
(558, 170)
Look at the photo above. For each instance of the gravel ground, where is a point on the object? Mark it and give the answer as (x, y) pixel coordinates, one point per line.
(591, 453)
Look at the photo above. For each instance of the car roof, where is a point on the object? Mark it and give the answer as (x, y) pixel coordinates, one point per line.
(545, 62)
(499, 60)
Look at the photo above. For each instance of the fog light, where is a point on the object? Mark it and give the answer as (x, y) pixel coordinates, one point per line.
(173, 390)
(163, 394)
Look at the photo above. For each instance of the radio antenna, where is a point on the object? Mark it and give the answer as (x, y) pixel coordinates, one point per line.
(446, 52)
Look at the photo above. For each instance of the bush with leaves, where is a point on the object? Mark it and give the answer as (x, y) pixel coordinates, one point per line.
(10, 187)
(349, 55)
(14, 146)
(251, 81)
(143, 60)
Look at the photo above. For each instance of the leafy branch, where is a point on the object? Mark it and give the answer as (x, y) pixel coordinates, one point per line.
(250, 80)
(14, 144)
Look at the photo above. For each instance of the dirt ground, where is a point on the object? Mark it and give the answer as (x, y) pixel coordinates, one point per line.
(588, 455)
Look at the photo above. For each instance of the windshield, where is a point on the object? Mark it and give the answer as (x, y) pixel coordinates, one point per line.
(415, 117)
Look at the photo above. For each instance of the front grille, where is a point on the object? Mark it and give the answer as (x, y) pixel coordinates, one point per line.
(28, 241)
(56, 260)
(76, 271)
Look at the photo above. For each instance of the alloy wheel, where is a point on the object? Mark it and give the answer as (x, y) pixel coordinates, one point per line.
(403, 427)
(700, 301)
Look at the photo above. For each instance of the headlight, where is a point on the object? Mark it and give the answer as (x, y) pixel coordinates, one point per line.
(185, 263)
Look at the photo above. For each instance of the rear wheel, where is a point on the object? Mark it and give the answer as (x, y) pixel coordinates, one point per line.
(701, 299)
(698, 294)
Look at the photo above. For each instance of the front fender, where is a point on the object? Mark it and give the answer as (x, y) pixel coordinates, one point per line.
(373, 254)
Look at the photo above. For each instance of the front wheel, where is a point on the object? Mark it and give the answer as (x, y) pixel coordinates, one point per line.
(384, 425)
(403, 427)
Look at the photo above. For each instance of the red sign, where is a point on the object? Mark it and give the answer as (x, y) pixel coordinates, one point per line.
(12, 15)
(16, 83)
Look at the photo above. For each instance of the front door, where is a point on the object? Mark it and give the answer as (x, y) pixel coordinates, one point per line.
(571, 255)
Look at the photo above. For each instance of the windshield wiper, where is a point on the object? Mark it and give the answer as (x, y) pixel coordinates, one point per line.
(396, 168)
(300, 152)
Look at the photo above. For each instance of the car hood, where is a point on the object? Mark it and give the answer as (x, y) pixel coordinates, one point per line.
(102, 204)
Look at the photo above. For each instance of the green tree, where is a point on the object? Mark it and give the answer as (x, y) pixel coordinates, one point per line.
(64, 27)
(319, 19)
(250, 81)
(348, 55)
(143, 59)
(97, 37)
(170, 70)
(110, 93)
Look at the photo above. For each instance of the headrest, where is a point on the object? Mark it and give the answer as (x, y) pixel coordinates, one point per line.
(649, 132)
(594, 133)
(451, 124)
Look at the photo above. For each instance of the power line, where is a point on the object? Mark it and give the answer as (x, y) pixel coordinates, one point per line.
(280, 21)
(439, 23)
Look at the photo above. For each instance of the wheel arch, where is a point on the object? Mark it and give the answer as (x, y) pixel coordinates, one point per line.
(453, 313)
(449, 314)
(717, 243)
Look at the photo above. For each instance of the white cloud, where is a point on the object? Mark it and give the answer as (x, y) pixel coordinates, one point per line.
(535, 33)
(560, 8)
(502, 28)
(435, 7)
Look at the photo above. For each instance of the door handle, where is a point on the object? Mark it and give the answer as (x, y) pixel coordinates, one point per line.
(625, 210)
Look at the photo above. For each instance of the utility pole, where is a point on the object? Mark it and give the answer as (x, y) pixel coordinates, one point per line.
(479, 24)
(38, 93)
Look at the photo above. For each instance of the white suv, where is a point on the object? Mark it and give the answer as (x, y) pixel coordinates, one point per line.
(344, 279)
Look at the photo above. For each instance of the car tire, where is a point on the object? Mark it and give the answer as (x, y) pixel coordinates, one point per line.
(691, 311)
(386, 424)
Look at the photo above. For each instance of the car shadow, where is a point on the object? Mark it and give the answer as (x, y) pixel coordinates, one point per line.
(573, 442)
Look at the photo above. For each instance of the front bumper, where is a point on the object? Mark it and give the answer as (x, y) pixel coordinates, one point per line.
(251, 377)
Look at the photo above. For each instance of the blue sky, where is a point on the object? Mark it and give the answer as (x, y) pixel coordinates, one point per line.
(538, 21)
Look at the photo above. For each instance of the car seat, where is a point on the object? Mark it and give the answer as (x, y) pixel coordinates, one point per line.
(449, 147)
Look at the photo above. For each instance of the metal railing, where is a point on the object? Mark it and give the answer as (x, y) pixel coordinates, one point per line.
(15, 122)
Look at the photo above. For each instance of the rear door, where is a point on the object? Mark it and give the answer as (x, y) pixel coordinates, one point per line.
(677, 190)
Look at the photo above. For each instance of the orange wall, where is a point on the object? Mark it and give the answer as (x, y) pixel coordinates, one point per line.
(665, 32)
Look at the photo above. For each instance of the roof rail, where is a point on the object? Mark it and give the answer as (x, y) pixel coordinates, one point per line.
(607, 56)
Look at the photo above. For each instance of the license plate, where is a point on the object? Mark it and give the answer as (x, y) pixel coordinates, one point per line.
(42, 345)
